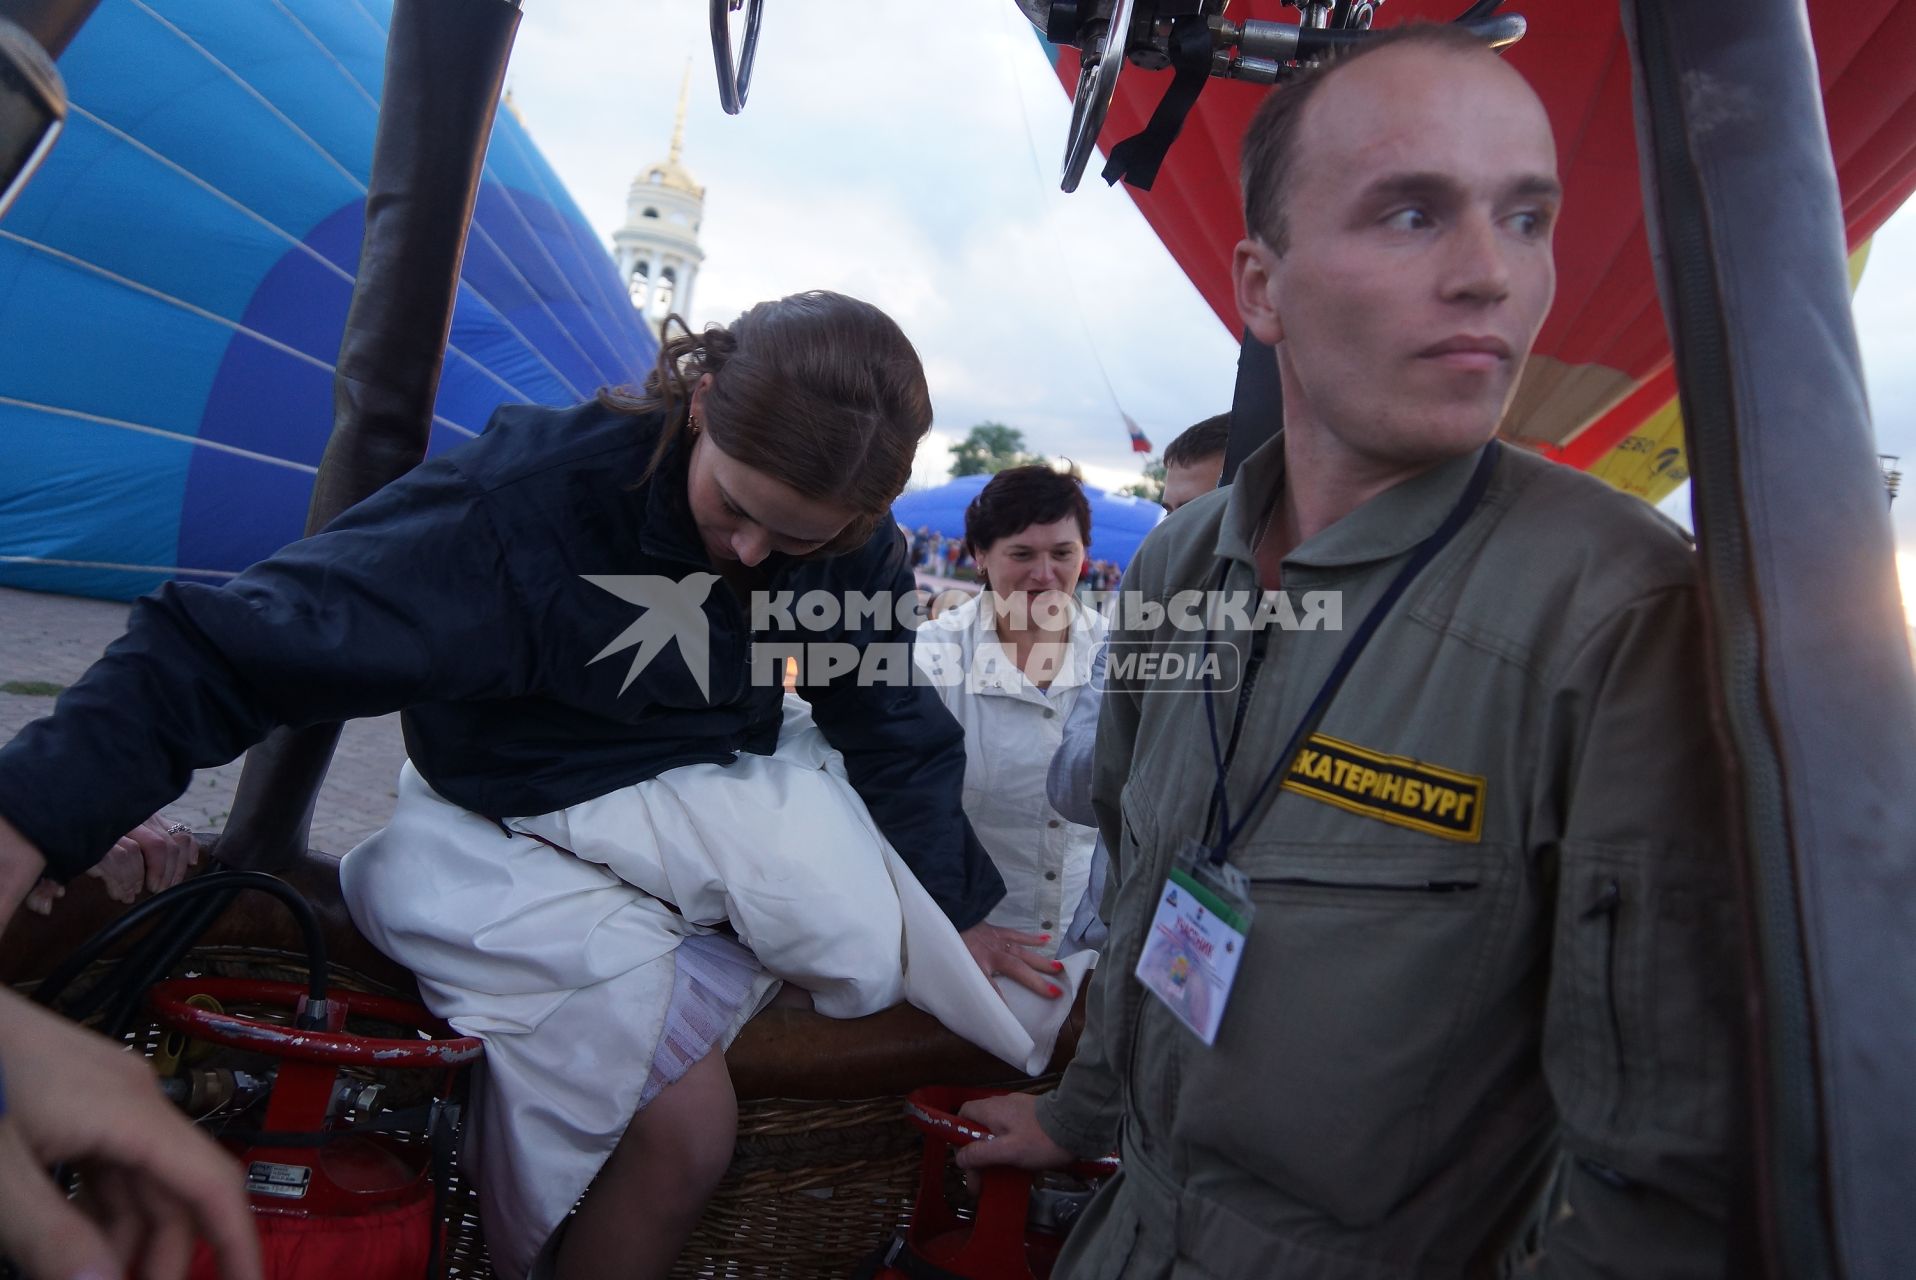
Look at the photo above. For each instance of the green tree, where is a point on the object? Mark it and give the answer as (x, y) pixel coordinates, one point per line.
(989, 449)
(1151, 488)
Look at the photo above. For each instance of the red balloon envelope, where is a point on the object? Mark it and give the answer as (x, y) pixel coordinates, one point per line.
(1602, 363)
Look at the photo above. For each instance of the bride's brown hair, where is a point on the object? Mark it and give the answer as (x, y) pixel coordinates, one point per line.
(819, 391)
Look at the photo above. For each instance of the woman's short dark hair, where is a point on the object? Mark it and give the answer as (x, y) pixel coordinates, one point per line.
(819, 391)
(1019, 497)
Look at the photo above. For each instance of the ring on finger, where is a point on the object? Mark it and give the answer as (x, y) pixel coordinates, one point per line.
(174, 828)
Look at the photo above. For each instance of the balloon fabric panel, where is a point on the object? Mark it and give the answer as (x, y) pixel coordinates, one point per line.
(174, 283)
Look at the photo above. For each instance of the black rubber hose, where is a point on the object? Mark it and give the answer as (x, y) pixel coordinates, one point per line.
(155, 957)
(54, 985)
(221, 882)
(186, 924)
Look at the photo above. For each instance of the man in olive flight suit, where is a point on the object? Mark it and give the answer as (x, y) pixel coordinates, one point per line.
(1491, 950)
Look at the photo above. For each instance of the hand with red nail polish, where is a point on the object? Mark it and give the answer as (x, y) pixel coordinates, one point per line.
(1013, 955)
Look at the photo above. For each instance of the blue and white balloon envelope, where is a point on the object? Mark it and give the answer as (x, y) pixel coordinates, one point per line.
(174, 283)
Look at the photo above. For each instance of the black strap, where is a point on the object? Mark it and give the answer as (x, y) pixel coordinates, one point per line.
(420, 1119)
(1136, 159)
(1420, 556)
(443, 1126)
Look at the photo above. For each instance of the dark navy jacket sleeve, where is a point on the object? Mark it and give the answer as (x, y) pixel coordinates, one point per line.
(904, 752)
(406, 597)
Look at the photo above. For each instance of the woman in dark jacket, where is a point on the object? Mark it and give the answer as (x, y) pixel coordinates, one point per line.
(564, 609)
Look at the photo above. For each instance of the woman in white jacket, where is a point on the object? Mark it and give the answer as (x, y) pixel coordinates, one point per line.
(1011, 664)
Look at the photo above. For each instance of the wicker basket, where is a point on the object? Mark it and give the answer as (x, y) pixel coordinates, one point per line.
(815, 1188)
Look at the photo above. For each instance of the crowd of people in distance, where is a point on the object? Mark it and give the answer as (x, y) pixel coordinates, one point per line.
(1100, 575)
(938, 556)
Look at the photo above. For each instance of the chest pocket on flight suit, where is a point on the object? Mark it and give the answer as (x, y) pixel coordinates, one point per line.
(1363, 964)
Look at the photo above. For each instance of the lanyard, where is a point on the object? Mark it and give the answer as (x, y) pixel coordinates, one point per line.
(1421, 555)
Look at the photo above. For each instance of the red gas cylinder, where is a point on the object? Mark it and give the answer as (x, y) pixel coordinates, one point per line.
(329, 1203)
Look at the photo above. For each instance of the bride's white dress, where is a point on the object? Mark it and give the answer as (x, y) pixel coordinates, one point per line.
(554, 943)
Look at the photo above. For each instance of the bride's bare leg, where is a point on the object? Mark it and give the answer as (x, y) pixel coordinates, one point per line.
(648, 1196)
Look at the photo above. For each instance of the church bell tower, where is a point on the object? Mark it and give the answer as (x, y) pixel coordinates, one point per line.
(657, 250)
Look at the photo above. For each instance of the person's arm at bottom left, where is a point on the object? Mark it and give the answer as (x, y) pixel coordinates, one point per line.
(20, 867)
(155, 1181)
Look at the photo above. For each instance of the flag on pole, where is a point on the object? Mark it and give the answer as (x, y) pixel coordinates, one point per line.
(1139, 442)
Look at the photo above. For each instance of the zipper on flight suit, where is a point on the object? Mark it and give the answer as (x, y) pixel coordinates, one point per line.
(1251, 666)
(1246, 690)
(1402, 886)
(1608, 907)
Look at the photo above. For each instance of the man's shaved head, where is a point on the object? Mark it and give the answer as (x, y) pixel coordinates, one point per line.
(1399, 260)
(1269, 157)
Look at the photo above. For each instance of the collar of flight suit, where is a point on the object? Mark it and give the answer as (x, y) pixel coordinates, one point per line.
(1003, 675)
(1387, 526)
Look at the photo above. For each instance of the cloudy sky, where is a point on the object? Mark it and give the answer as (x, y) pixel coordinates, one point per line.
(909, 156)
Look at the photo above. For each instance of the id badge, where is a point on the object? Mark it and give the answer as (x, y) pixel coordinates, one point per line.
(1196, 939)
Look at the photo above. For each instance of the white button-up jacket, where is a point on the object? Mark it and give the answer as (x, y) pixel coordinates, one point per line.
(1012, 729)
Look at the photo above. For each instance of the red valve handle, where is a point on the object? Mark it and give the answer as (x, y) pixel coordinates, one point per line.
(298, 1044)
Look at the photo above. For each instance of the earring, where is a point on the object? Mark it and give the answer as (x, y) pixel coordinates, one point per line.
(692, 422)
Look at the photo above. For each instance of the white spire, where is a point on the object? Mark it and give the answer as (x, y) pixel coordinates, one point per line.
(678, 124)
(657, 250)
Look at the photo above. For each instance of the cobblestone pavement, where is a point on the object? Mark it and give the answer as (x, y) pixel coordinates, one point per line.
(46, 642)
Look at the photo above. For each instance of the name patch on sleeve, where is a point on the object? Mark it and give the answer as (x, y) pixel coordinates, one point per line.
(1394, 789)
